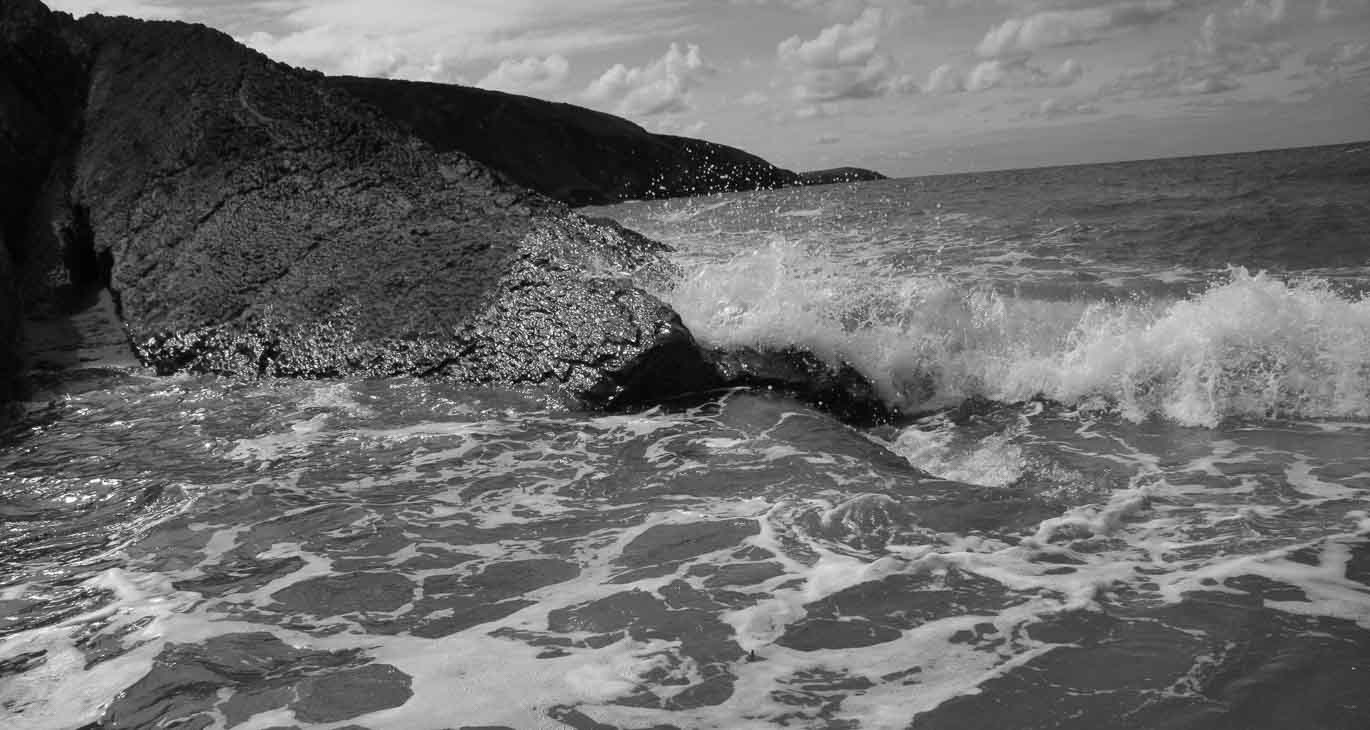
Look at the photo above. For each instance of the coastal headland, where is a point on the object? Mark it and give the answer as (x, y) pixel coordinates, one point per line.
(246, 218)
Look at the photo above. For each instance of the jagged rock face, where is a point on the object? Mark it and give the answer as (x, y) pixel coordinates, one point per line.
(575, 155)
(251, 220)
(42, 90)
(40, 96)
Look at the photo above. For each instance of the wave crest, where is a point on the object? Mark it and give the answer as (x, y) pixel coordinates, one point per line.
(1249, 346)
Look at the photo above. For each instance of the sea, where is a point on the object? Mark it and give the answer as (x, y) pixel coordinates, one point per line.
(1129, 488)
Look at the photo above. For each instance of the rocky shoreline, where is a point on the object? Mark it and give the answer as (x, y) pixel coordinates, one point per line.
(252, 219)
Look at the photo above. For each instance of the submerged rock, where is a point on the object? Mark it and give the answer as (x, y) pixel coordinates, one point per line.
(251, 220)
(841, 390)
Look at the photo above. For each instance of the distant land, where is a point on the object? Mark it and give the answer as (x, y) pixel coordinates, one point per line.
(575, 155)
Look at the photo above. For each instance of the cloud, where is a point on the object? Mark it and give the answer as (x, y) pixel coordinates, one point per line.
(423, 39)
(1058, 107)
(945, 79)
(1254, 21)
(680, 128)
(1015, 73)
(1346, 54)
(754, 98)
(1019, 74)
(1055, 28)
(1174, 75)
(1232, 42)
(1342, 10)
(843, 61)
(135, 8)
(527, 75)
(660, 87)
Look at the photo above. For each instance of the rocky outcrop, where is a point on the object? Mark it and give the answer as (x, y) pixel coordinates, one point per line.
(841, 390)
(575, 155)
(250, 220)
(41, 90)
(836, 175)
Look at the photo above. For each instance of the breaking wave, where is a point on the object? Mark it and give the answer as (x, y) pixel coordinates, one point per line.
(1250, 345)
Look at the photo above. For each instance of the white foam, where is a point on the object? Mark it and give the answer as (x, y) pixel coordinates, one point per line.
(61, 693)
(1251, 346)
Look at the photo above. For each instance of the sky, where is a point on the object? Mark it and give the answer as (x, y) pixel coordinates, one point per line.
(906, 87)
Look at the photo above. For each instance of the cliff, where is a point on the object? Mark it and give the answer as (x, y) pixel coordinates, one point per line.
(222, 213)
(249, 220)
(575, 155)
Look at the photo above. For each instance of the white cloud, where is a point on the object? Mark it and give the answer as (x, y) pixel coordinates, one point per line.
(754, 98)
(135, 8)
(997, 73)
(1236, 41)
(422, 39)
(1054, 28)
(680, 128)
(945, 79)
(1346, 54)
(660, 87)
(843, 61)
(528, 75)
(1254, 21)
(1058, 107)
(1342, 10)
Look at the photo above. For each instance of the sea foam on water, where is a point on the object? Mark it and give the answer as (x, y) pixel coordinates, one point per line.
(1248, 346)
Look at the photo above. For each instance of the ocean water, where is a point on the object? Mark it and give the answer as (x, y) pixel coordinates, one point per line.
(1132, 491)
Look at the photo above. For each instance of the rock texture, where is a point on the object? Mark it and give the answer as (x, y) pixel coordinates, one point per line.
(840, 390)
(41, 89)
(250, 220)
(575, 155)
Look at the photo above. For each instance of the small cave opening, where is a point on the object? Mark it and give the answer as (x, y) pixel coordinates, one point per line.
(90, 270)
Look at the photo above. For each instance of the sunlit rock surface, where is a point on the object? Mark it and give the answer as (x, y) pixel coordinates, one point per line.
(251, 220)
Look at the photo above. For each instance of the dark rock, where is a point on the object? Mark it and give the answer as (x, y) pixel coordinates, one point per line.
(43, 73)
(842, 390)
(251, 220)
(314, 240)
(41, 92)
(839, 175)
(575, 155)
